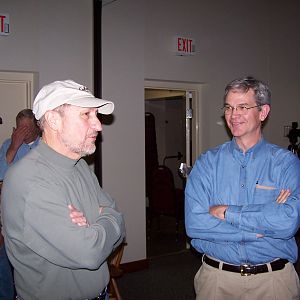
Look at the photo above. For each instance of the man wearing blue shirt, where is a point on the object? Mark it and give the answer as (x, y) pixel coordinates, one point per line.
(243, 205)
(24, 137)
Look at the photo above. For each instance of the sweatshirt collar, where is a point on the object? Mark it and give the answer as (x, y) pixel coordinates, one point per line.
(54, 157)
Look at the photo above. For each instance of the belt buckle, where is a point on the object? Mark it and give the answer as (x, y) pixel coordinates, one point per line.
(245, 270)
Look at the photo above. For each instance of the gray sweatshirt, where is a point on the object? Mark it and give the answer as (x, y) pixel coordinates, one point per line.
(54, 258)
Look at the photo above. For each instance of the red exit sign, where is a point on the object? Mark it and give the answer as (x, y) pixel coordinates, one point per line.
(185, 45)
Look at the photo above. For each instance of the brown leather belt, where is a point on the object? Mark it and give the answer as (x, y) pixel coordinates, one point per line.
(246, 269)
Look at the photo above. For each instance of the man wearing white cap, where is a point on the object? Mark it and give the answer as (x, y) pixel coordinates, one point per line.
(59, 225)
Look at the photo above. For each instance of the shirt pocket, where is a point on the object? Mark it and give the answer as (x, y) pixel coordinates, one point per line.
(265, 194)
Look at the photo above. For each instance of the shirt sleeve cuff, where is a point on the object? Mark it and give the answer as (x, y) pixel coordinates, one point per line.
(233, 214)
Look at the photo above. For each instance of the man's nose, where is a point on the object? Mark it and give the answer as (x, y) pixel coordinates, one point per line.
(235, 111)
(96, 124)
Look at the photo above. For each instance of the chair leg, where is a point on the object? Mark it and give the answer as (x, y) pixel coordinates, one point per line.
(115, 271)
(115, 290)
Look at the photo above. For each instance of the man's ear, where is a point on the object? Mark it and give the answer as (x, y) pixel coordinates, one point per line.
(53, 119)
(265, 109)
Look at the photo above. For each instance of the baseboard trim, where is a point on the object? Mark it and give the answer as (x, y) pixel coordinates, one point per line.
(134, 266)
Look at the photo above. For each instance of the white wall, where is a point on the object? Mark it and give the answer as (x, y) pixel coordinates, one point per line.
(53, 38)
(233, 38)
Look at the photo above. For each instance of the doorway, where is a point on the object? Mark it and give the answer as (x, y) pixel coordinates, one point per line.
(172, 140)
(17, 92)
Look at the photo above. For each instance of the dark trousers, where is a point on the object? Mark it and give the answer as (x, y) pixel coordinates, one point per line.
(6, 277)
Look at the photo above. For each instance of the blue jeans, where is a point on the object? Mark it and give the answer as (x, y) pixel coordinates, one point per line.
(6, 277)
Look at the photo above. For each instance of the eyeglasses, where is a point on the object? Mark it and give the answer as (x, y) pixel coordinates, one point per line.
(240, 109)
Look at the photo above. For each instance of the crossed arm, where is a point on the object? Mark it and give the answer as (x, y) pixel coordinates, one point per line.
(77, 217)
(219, 211)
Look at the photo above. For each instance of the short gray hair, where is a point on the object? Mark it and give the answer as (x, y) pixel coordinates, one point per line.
(262, 92)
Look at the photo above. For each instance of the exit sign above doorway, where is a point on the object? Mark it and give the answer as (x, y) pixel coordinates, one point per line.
(184, 45)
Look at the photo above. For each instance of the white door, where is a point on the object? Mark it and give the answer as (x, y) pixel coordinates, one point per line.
(17, 90)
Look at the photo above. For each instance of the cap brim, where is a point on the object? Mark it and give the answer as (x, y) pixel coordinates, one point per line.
(105, 107)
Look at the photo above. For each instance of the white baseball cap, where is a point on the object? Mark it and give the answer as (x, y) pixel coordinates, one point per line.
(68, 92)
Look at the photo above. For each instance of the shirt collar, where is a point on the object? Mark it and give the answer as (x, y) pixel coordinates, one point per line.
(254, 150)
(35, 142)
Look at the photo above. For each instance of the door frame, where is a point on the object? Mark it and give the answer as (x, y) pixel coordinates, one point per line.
(196, 90)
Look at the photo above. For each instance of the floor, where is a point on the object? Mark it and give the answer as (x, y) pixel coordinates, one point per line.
(162, 238)
(169, 277)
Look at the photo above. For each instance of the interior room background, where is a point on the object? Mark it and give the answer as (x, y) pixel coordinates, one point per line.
(233, 38)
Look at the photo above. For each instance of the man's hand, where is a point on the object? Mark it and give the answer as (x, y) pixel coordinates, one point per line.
(77, 216)
(283, 195)
(17, 138)
(218, 211)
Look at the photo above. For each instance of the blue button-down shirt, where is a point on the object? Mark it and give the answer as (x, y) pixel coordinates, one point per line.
(249, 183)
(22, 151)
